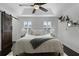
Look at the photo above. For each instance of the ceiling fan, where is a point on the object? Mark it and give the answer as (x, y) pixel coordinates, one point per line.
(36, 6)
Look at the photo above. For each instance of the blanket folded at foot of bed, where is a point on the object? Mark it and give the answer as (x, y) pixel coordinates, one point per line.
(36, 42)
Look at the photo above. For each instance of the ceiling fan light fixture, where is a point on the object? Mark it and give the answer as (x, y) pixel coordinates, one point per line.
(36, 6)
(69, 24)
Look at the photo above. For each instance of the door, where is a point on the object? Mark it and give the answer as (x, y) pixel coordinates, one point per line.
(6, 24)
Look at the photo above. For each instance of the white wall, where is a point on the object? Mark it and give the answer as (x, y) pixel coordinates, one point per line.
(15, 29)
(9, 10)
(0, 31)
(70, 37)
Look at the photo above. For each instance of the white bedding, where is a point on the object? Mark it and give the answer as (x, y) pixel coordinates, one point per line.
(23, 45)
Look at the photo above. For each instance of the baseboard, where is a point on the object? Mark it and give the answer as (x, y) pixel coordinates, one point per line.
(70, 52)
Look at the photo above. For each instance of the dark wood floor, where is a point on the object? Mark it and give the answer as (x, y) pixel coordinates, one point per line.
(70, 52)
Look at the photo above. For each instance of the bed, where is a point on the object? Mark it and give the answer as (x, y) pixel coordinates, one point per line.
(51, 47)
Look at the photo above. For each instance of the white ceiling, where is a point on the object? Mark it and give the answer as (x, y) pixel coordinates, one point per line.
(53, 8)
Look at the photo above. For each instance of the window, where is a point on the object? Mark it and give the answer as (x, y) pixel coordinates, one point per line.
(27, 24)
(47, 24)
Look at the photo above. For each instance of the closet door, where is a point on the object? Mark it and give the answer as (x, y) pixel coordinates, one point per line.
(6, 22)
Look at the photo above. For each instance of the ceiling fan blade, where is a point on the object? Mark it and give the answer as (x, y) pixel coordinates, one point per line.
(34, 10)
(43, 9)
(32, 5)
(60, 17)
(39, 3)
(20, 5)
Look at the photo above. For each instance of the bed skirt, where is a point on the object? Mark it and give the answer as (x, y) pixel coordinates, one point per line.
(40, 54)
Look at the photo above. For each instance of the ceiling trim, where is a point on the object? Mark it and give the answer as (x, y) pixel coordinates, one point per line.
(37, 16)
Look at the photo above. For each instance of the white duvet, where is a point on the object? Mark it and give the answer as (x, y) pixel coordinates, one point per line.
(23, 45)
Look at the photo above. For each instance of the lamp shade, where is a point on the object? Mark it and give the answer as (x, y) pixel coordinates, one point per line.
(29, 23)
(25, 24)
(49, 24)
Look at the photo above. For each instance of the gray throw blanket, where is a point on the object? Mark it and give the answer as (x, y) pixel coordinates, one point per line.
(36, 42)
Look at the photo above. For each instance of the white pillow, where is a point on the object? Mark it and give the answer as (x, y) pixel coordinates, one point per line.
(41, 36)
(28, 35)
(45, 36)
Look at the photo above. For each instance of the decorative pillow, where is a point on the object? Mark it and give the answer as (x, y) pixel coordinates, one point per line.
(36, 32)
